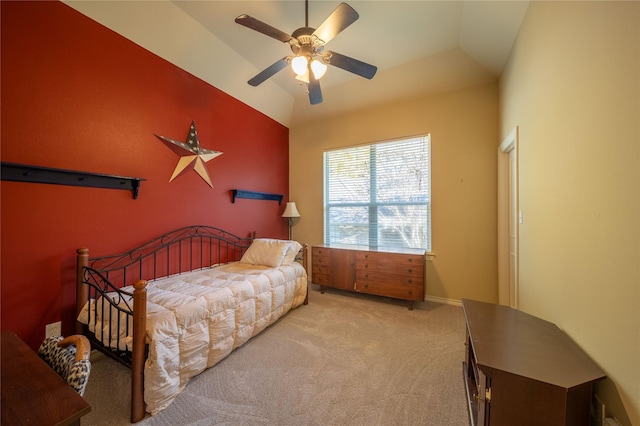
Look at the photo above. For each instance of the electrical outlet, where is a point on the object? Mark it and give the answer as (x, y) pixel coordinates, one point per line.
(53, 329)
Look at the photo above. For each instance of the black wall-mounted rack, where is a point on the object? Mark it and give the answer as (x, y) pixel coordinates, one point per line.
(239, 193)
(37, 174)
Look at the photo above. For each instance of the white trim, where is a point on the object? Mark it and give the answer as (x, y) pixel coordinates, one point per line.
(443, 300)
(510, 143)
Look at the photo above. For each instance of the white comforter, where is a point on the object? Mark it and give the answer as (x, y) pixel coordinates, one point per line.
(195, 320)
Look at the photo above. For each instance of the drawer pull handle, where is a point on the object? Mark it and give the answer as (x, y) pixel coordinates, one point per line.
(410, 281)
(410, 270)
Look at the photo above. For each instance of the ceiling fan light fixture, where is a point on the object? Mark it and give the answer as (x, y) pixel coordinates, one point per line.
(303, 78)
(318, 68)
(299, 64)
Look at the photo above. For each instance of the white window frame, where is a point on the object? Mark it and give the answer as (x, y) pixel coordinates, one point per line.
(332, 230)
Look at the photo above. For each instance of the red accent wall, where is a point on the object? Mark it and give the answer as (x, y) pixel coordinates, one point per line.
(75, 95)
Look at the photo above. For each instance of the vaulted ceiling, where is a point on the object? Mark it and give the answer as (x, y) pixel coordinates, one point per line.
(419, 47)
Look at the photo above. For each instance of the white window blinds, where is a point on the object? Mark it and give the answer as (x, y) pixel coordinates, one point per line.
(378, 195)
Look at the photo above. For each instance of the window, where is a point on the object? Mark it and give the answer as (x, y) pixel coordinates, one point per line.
(379, 195)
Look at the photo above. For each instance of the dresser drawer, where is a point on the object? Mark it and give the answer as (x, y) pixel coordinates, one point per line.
(320, 252)
(390, 279)
(320, 268)
(393, 263)
(320, 279)
(391, 286)
(394, 269)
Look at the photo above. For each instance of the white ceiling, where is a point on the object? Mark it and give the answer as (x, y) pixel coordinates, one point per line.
(419, 47)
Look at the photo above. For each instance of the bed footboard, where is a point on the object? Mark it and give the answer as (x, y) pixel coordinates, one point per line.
(92, 288)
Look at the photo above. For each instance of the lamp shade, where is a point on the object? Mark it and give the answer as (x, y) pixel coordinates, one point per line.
(299, 64)
(291, 210)
(318, 69)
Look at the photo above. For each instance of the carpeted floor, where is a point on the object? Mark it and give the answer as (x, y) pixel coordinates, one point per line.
(344, 359)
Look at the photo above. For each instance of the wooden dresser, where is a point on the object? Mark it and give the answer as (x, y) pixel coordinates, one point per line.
(521, 370)
(384, 273)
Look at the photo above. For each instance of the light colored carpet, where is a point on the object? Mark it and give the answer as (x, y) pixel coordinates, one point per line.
(344, 359)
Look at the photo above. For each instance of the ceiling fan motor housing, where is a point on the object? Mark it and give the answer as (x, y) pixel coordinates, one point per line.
(304, 43)
(304, 36)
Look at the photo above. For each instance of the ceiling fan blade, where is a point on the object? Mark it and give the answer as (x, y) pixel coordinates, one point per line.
(315, 93)
(343, 16)
(269, 71)
(352, 65)
(261, 27)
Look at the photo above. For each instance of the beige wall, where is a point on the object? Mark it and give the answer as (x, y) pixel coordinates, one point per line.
(464, 134)
(572, 86)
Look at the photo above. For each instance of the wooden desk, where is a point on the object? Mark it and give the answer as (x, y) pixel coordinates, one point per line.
(32, 393)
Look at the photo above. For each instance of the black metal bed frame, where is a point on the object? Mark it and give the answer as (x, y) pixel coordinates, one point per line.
(183, 250)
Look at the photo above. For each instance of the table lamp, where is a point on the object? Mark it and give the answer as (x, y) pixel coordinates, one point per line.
(290, 212)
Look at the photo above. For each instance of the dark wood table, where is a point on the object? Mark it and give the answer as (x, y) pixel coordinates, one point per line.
(522, 370)
(32, 393)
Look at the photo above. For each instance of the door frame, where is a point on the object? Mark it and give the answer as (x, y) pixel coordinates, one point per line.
(508, 294)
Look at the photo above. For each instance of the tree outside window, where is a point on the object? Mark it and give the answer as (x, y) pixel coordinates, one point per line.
(378, 195)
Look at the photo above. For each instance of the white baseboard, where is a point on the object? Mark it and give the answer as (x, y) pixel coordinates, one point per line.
(443, 300)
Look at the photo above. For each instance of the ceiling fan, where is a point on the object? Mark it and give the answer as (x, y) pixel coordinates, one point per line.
(309, 60)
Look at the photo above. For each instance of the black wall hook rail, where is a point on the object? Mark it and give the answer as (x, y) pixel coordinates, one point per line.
(37, 174)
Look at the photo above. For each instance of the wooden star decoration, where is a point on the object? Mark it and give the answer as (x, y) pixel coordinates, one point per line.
(192, 157)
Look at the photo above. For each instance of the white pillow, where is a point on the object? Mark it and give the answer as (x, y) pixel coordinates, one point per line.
(292, 252)
(266, 252)
(293, 248)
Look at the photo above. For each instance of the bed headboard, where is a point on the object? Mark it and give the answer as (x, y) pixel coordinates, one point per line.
(181, 250)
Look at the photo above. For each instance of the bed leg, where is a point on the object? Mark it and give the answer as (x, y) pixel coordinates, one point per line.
(82, 291)
(139, 350)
